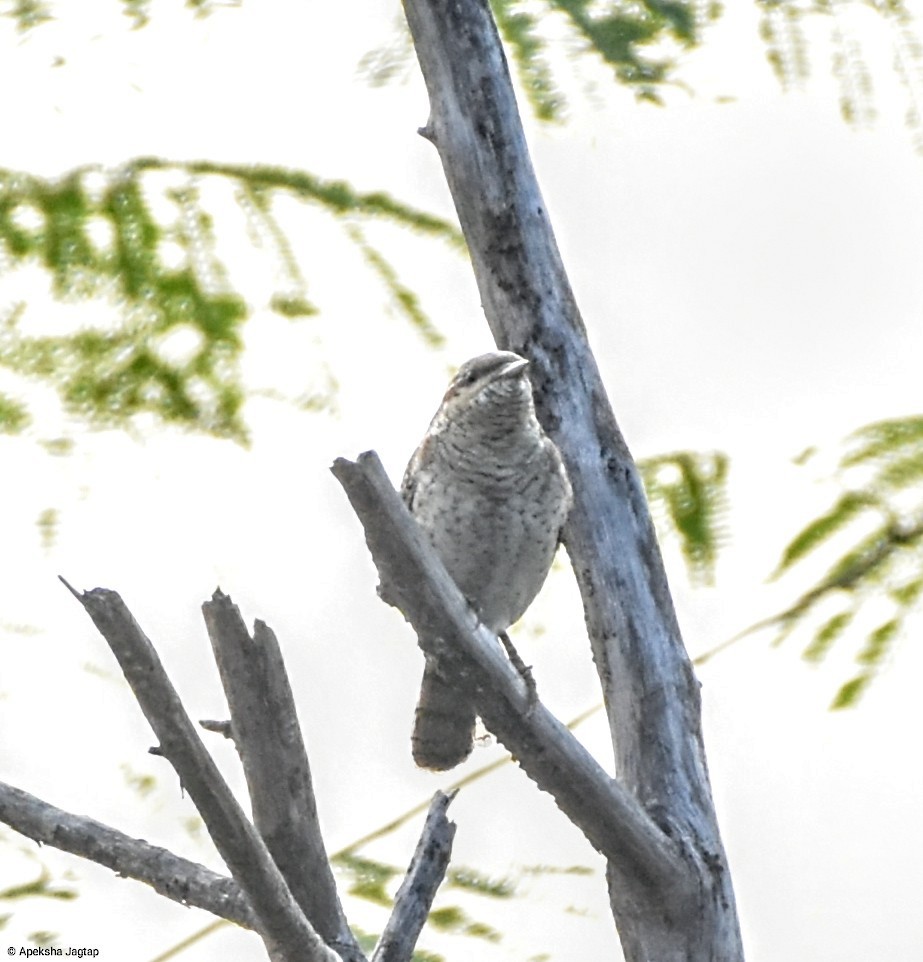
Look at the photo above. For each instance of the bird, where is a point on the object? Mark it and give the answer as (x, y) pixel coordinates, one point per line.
(490, 490)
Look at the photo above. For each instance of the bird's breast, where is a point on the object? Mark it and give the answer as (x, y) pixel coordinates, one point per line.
(496, 529)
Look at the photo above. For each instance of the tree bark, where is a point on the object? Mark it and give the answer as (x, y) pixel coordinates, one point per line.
(167, 874)
(414, 579)
(272, 751)
(414, 898)
(281, 923)
(286, 853)
(650, 691)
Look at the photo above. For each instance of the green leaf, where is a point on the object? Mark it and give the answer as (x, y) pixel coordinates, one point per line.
(14, 418)
(558, 870)
(899, 473)
(804, 456)
(621, 34)
(883, 439)
(420, 956)
(826, 635)
(616, 37)
(29, 14)
(292, 306)
(404, 298)
(907, 594)
(337, 197)
(42, 887)
(519, 29)
(481, 930)
(453, 919)
(138, 12)
(449, 919)
(97, 235)
(850, 506)
(884, 563)
(782, 31)
(878, 643)
(850, 693)
(687, 490)
(370, 877)
(142, 783)
(863, 565)
(47, 524)
(467, 878)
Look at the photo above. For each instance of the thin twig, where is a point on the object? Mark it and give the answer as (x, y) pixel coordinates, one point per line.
(414, 898)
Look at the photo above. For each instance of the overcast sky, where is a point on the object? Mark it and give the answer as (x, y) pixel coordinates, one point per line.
(748, 268)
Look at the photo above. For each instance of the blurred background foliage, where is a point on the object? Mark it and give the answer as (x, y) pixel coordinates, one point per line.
(871, 543)
(688, 495)
(143, 240)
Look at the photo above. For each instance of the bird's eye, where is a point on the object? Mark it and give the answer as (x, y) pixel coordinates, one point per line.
(469, 378)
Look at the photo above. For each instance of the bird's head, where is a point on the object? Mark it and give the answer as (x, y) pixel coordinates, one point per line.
(496, 378)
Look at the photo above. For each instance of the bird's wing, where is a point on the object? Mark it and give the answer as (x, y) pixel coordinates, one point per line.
(409, 481)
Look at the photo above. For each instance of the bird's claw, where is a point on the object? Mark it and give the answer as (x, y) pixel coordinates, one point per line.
(525, 671)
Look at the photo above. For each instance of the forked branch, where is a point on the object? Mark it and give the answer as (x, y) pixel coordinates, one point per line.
(285, 853)
(280, 921)
(415, 580)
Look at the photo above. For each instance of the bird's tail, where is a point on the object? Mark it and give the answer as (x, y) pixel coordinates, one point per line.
(443, 728)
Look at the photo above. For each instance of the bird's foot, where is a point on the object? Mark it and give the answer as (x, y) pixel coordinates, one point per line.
(525, 671)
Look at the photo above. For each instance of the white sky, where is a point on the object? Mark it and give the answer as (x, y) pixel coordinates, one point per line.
(749, 275)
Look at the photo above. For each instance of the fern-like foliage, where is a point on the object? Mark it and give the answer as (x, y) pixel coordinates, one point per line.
(639, 40)
(784, 26)
(876, 525)
(624, 34)
(687, 491)
(43, 886)
(141, 240)
(520, 30)
(28, 14)
(781, 29)
(371, 880)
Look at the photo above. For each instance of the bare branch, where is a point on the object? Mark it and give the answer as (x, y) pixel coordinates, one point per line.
(415, 580)
(269, 740)
(169, 875)
(650, 691)
(285, 930)
(424, 876)
(217, 726)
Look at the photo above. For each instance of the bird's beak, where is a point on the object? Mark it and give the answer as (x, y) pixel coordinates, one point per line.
(513, 368)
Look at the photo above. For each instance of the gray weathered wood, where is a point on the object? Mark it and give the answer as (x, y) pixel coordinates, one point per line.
(280, 921)
(167, 874)
(650, 691)
(415, 581)
(266, 733)
(414, 898)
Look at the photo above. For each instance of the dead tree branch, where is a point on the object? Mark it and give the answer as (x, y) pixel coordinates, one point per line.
(287, 854)
(268, 739)
(169, 875)
(650, 691)
(196, 886)
(415, 897)
(415, 581)
(288, 934)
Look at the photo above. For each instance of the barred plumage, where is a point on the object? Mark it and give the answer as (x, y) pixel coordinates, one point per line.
(489, 488)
